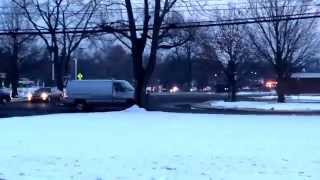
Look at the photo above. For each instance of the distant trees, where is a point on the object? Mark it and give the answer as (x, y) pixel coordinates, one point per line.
(58, 16)
(227, 47)
(150, 26)
(15, 45)
(285, 44)
(232, 50)
(112, 61)
(174, 70)
(188, 53)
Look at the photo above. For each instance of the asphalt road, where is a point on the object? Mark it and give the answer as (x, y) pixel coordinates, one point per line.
(29, 109)
(180, 103)
(157, 102)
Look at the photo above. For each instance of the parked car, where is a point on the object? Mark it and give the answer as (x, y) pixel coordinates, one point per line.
(89, 93)
(4, 96)
(221, 88)
(45, 94)
(207, 89)
(193, 89)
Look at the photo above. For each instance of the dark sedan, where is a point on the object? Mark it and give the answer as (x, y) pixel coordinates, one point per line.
(45, 94)
(4, 96)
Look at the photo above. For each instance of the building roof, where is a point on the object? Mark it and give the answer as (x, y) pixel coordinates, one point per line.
(305, 75)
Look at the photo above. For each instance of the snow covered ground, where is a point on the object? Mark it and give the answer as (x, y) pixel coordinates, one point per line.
(293, 98)
(139, 145)
(264, 106)
(257, 93)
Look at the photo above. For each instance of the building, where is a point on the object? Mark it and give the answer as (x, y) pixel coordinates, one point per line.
(303, 83)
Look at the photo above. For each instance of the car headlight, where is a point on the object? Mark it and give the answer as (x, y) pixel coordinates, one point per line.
(29, 96)
(174, 89)
(44, 96)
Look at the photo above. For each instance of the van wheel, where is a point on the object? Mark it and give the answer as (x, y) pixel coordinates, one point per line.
(81, 106)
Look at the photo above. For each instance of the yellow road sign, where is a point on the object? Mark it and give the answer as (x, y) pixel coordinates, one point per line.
(80, 76)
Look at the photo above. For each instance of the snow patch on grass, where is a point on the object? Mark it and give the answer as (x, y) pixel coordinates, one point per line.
(135, 144)
(265, 106)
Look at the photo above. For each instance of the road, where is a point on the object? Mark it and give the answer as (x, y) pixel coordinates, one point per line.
(173, 102)
(180, 102)
(28, 109)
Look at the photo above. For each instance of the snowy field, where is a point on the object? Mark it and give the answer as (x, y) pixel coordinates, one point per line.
(264, 106)
(139, 145)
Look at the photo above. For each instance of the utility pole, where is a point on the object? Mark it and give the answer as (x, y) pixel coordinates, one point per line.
(52, 66)
(52, 62)
(75, 68)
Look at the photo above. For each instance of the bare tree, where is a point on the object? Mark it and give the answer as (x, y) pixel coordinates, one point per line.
(60, 15)
(285, 44)
(144, 41)
(188, 47)
(232, 50)
(13, 21)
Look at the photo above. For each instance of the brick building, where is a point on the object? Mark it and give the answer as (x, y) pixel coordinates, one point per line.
(303, 83)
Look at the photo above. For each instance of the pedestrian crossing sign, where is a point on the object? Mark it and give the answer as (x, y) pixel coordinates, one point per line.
(80, 76)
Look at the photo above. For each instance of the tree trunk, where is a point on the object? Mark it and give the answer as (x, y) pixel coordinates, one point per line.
(58, 66)
(15, 84)
(232, 91)
(58, 69)
(140, 92)
(189, 71)
(67, 66)
(15, 70)
(280, 89)
(231, 75)
(15, 78)
(139, 75)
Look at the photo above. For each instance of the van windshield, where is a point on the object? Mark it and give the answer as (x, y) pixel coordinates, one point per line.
(123, 87)
(127, 86)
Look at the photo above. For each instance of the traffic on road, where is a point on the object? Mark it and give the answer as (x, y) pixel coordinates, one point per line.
(102, 96)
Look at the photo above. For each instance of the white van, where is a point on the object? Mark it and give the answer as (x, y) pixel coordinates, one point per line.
(84, 93)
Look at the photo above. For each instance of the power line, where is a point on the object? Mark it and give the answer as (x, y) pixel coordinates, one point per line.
(193, 7)
(242, 21)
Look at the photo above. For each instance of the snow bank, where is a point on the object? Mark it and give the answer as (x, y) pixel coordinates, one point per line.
(138, 145)
(265, 106)
(135, 109)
